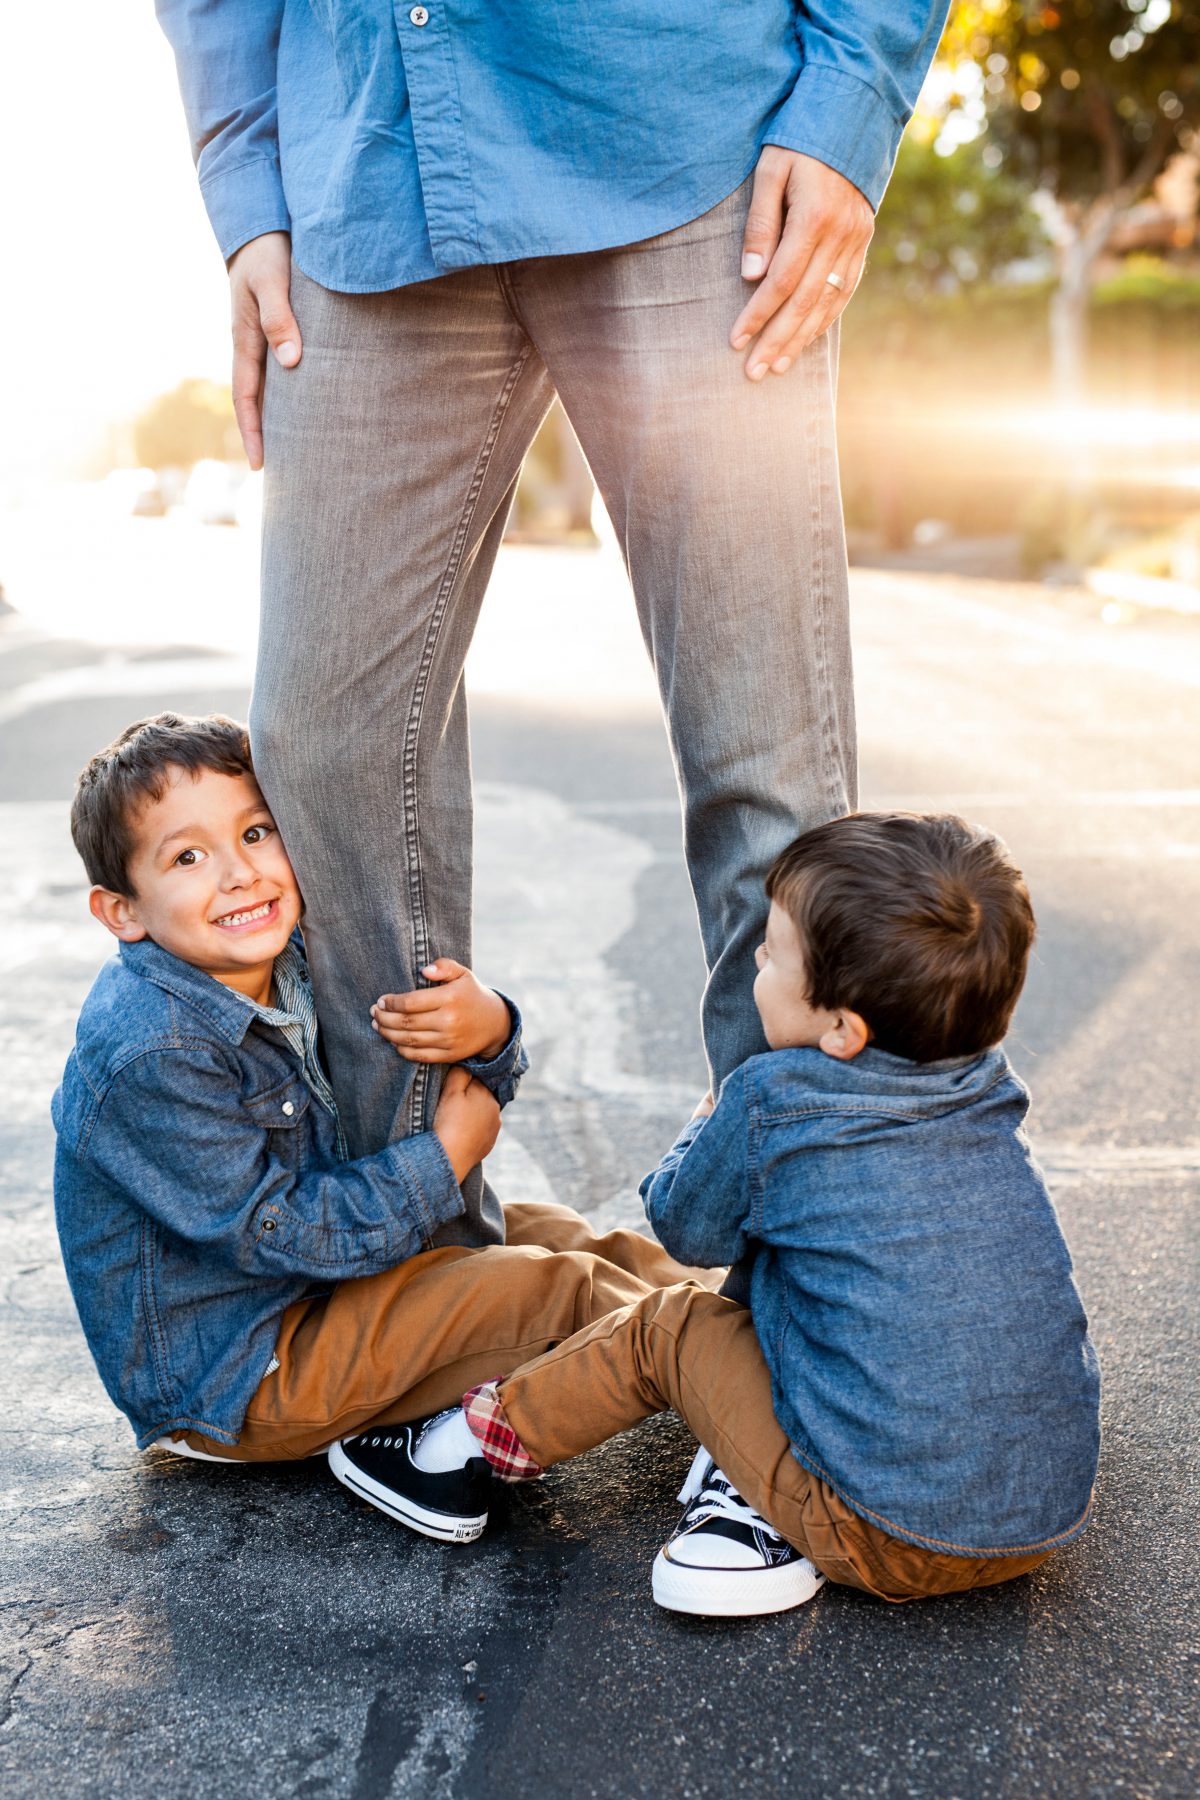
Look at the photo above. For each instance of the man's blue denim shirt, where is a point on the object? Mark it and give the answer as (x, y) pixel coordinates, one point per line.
(396, 142)
(910, 1288)
(198, 1190)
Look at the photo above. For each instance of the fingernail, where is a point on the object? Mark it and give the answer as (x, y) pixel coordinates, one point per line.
(752, 266)
(739, 343)
(782, 364)
(756, 371)
(287, 353)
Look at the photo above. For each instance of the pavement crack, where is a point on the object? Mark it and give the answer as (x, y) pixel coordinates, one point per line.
(9, 1695)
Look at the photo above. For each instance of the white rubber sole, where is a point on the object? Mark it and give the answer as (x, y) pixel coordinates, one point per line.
(448, 1528)
(733, 1593)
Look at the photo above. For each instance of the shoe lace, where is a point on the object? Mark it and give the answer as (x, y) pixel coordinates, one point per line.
(710, 1494)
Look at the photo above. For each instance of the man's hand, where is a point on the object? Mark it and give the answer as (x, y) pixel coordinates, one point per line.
(467, 1122)
(259, 279)
(457, 1019)
(806, 222)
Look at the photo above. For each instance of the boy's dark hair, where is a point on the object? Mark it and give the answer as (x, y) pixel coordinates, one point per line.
(134, 769)
(920, 923)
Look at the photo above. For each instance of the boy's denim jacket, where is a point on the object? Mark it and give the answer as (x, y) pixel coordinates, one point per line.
(910, 1288)
(198, 1192)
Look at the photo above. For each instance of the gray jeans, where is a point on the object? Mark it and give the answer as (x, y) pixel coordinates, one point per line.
(392, 453)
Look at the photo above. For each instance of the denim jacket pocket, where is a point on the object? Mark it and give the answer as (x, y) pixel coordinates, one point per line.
(279, 1111)
(282, 1107)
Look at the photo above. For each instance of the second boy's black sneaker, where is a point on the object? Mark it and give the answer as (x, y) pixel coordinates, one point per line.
(723, 1560)
(378, 1466)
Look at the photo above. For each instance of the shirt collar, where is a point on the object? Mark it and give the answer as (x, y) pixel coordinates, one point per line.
(291, 990)
(227, 1011)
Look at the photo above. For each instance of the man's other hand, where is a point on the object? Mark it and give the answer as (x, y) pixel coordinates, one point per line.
(806, 222)
(259, 280)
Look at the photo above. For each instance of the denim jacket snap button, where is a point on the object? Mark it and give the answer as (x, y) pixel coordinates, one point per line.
(288, 1108)
(269, 1224)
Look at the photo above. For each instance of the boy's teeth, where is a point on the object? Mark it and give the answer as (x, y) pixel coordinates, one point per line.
(259, 912)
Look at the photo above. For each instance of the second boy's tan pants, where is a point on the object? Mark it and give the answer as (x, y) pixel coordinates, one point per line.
(698, 1353)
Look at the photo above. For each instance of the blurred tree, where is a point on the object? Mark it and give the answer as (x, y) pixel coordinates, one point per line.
(1087, 99)
(179, 429)
(949, 220)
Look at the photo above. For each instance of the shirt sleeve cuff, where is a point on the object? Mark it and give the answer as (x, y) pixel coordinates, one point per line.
(670, 1162)
(245, 201)
(842, 122)
(429, 1180)
(502, 1072)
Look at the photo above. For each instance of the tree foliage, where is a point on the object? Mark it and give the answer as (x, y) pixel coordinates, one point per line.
(1088, 98)
(949, 221)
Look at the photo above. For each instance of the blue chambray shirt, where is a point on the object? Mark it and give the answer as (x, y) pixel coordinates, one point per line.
(910, 1289)
(400, 141)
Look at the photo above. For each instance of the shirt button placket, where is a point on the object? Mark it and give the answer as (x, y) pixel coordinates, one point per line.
(443, 160)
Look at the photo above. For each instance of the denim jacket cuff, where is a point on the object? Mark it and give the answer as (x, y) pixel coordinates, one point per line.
(430, 1183)
(502, 1072)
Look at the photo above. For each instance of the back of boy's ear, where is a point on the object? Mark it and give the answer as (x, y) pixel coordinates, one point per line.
(117, 913)
(848, 1034)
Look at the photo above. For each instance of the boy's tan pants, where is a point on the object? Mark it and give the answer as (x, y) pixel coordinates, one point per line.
(644, 1335)
(698, 1353)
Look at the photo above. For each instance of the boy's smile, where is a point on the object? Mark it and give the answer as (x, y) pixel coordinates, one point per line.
(210, 881)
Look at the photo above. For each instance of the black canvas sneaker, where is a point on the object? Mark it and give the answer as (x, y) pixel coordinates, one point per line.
(378, 1466)
(723, 1560)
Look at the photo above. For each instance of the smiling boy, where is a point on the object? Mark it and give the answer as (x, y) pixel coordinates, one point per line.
(247, 1292)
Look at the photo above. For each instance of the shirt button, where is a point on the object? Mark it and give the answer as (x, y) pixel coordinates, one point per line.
(419, 15)
(288, 1108)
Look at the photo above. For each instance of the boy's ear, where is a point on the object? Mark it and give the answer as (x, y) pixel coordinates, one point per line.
(848, 1034)
(117, 913)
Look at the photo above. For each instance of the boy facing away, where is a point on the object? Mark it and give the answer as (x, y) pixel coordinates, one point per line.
(246, 1291)
(910, 1404)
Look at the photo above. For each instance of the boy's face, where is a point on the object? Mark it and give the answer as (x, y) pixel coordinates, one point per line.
(211, 881)
(781, 996)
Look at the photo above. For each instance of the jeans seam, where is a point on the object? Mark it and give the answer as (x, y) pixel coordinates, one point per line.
(836, 798)
(416, 880)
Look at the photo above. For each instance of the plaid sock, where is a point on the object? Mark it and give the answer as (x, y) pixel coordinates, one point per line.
(499, 1442)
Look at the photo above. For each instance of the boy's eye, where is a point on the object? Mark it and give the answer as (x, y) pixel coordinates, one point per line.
(257, 834)
(187, 859)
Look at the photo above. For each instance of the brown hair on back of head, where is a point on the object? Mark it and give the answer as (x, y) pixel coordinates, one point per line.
(135, 769)
(920, 923)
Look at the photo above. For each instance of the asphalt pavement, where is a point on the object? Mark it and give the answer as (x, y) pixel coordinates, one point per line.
(172, 1627)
